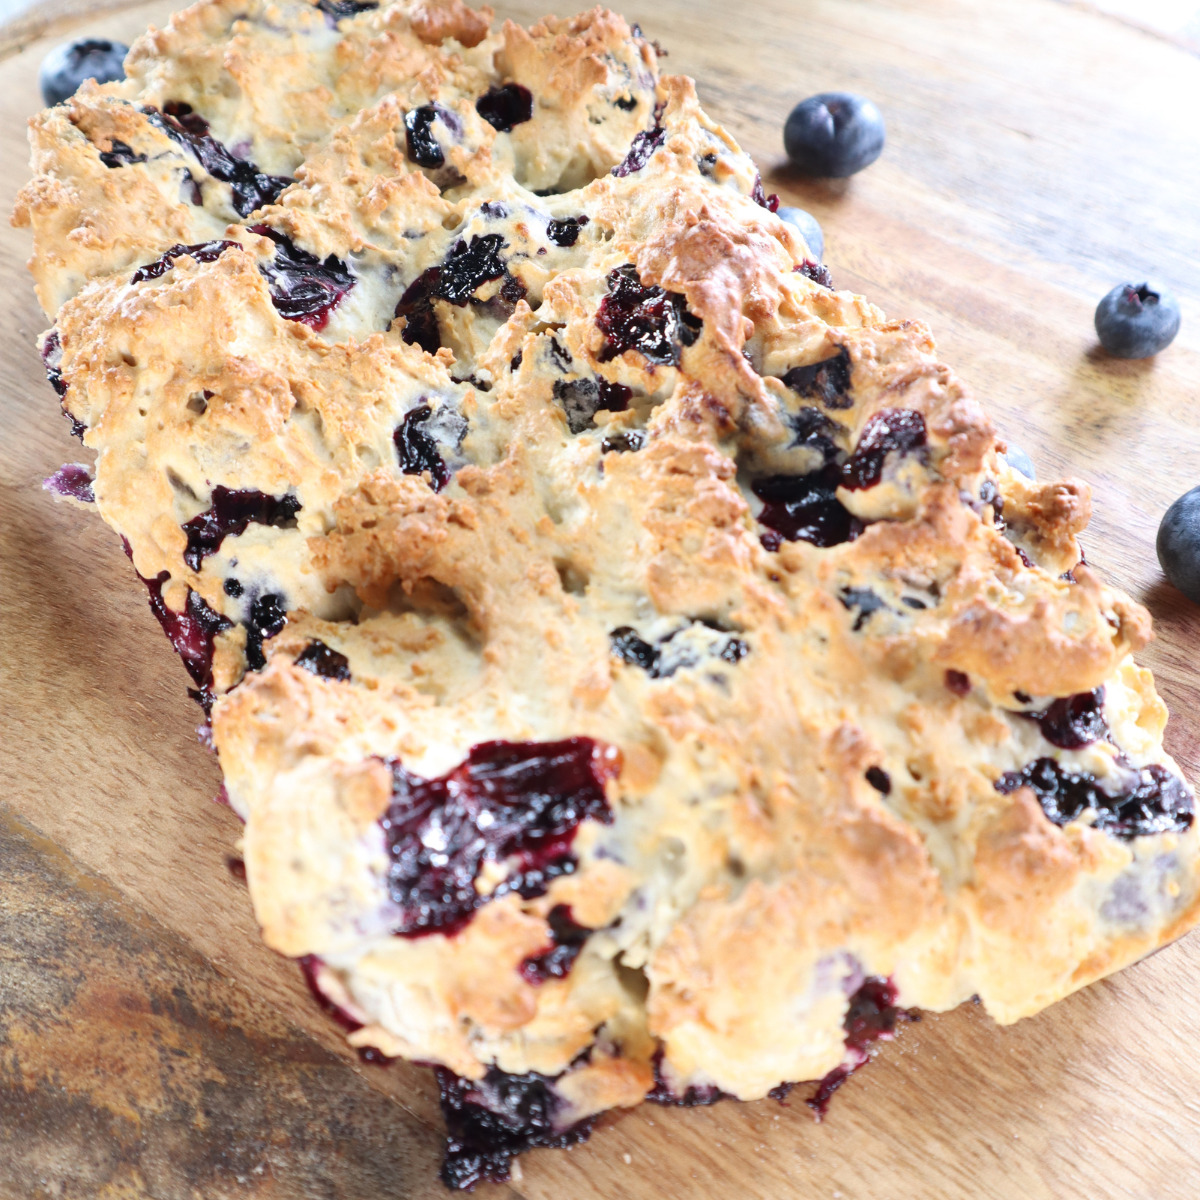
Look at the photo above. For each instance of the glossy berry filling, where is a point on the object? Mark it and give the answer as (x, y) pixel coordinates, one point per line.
(205, 252)
(505, 107)
(1073, 721)
(640, 151)
(1154, 801)
(423, 148)
(303, 288)
(565, 232)
(566, 940)
(191, 632)
(463, 272)
(416, 307)
(418, 451)
(252, 189)
(827, 381)
(805, 508)
(267, 617)
(468, 267)
(614, 397)
(492, 1120)
(872, 1013)
(120, 154)
(324, 661)
(230, 513)
(894, 430)
(649, 320)
(519, 801)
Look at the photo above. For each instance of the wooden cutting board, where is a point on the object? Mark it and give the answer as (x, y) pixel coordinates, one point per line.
(149, 1044)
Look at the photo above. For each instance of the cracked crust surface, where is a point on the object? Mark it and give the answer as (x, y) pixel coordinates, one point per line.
(752, 872)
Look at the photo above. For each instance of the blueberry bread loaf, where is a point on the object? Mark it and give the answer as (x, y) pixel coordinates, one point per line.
(638, 670)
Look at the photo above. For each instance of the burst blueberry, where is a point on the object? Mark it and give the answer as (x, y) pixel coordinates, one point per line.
(67, 66)
(1137, 320)
(504, 108)
(834, 134)
(1179, 544)
(250, 188)
(509, 802)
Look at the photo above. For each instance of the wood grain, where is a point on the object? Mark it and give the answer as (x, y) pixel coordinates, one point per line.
(131, 1067)
(1038, 154)
(48, 18)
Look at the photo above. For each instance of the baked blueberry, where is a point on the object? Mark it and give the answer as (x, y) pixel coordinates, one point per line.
(805, 508)
(810, 231)
(891, 430)
(518, 802)
(303, 288)
(67, 66)
(1145, 801)
(492, 1120)
(337, 10)
(1179, 544)
(250, 188)
(231, 512)
(1020, 461)
(650, 320)
(268, 615)
(418, 450)
(503, 108)
(324, 661)
(1072, 722)
(1136, 320)
(834, 134)
(640, 151)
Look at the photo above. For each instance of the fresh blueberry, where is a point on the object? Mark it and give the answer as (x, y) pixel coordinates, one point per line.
(1179, 544)
(1020, 461)
(1136, 320)
(834, 134)
(810, 231)
(66, 67)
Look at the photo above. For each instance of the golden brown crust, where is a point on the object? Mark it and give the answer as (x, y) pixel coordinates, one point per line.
(433, 21)
(1061, 642)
